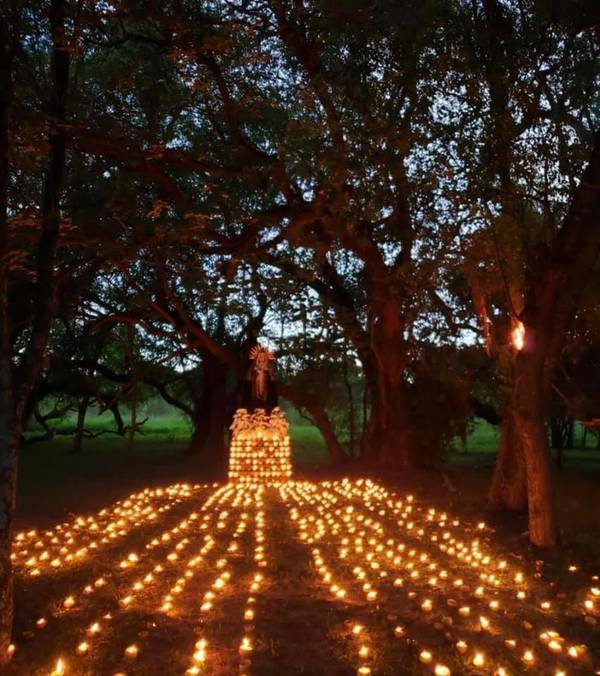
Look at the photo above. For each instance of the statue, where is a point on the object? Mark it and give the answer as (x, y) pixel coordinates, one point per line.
(260, 388)
(260, 448)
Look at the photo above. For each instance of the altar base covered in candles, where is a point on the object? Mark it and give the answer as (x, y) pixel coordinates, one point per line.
(260, 449)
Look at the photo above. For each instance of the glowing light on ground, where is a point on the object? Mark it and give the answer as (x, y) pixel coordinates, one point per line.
(406, 578)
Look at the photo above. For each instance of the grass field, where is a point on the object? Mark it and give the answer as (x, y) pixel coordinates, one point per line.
(107, 461)
(164, 436)
(481, 445)
(295, 610)
(484, 439)
(160, 447)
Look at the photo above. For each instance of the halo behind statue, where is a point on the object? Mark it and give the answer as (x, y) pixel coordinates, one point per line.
(259, 350)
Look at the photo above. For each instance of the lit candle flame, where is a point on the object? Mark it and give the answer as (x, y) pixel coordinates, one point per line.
(518, 336)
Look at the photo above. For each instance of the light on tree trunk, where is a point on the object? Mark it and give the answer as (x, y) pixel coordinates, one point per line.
(518, 336)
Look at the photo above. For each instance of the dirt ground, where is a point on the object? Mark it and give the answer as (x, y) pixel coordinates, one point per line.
(298, 628)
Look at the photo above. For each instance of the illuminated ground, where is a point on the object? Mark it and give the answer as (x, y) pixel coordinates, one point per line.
(303, 578)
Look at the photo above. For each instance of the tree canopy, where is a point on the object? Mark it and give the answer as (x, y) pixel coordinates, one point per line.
(383, 191)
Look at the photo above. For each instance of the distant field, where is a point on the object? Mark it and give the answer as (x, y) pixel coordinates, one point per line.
(165, 436)
(481, 445)
(307, 440)
(157, 427)
(162, 440)
(484, 439)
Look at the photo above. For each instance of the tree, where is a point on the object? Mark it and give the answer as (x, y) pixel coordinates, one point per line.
(17, 383)
(541, 236)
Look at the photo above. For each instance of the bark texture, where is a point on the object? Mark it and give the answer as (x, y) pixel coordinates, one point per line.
(508, 490)
(16, 387)
(9, 431)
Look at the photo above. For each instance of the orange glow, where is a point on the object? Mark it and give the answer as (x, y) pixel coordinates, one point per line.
(359, 536)
(518, 336)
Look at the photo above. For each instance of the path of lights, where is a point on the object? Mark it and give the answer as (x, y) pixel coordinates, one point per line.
(70, 542)
(403, 573)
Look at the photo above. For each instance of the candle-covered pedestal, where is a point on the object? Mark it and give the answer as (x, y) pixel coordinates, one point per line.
(260, 447)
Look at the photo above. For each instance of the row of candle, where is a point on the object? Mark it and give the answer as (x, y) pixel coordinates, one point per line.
(265, 459)
(73, 541)
(367, 544)
(348, 526)
(252, 495)
(502, 576)
(176, 536)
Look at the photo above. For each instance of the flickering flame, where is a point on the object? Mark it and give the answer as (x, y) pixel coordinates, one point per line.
(425, 656)
(59, 669)
(528, 657)
(132, 650)
(246, 645)
(479, 659)
(518, 336)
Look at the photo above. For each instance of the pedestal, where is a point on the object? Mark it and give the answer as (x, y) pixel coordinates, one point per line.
(260, 450)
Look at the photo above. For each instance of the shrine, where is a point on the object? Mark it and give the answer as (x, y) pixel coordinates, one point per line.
(260, 448)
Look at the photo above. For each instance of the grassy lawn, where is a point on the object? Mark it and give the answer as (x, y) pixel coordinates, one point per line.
(480, 448)
(163, 439)
(482, 439)
(163, 436)
(297, 625)
(107, 463)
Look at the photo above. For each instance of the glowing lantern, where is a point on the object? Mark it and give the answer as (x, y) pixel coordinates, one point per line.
(518, 336)
(132, 650)
(425, 656)
(479, 659)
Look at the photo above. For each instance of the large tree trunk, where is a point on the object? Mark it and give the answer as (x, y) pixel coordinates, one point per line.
(9, 432)
(9, 441)
(82, 408)
(529, 415)
(217, 412)
(13, 408)
(509, 483)
(197, 441)
(200, 421)
(324, 425)
(45, 258)
(390, 434)
(390, 427)
(211, 411)
(304, 401)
